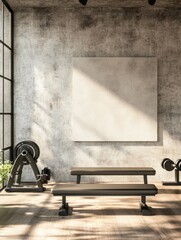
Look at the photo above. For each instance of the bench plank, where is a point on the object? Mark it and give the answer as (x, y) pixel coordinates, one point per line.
(104, 190)
(112, 171)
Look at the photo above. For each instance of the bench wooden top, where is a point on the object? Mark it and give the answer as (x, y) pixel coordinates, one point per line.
(104, 189)
(112, 171)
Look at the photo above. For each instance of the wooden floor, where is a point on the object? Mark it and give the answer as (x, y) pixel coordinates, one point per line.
(34, 216)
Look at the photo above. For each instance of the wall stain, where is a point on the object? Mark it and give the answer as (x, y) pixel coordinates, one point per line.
(45, 23)
(87, 22)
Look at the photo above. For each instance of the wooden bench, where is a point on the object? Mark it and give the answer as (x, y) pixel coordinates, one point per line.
(142, 190)
(112, 171)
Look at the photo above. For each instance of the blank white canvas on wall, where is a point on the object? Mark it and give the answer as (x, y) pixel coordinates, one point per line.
(114, 99)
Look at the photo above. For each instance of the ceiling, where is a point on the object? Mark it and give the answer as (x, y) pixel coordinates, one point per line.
(92, 3)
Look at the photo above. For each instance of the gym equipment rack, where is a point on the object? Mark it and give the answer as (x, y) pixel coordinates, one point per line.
(169, 165)
(27, 153)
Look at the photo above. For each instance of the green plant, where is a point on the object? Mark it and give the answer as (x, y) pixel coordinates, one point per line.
(5, 169)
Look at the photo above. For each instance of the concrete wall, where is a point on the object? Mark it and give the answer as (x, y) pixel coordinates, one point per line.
(46, 39)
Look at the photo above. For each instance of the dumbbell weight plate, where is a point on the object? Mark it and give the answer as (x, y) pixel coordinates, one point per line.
(168, 164)
(178, 165)
(29, 146)
(163, 162)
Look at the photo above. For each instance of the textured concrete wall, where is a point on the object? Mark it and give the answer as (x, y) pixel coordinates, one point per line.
(91, 3)
(46, 39)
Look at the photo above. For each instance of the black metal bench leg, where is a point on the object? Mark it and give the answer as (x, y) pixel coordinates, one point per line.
(145, 210)
(145, 179)
(78, 179)
(63, 211)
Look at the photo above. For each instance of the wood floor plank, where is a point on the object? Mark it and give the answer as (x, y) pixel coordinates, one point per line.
(33, 216)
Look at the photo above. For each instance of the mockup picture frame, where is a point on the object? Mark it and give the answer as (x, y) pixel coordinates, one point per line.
(114, 99)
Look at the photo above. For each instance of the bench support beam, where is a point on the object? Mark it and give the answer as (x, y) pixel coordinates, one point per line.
(145, 179)
(145, 210)
(78, 179)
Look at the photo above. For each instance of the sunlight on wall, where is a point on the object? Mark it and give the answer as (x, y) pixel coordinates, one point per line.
(42, 127)
(99, 115)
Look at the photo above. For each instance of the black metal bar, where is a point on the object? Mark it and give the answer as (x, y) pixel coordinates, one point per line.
(3, 85)
(6, 78)
(3, 43)
(3, 162)
(6, 148)
(7, 5)
(6, 114)
(12, 85)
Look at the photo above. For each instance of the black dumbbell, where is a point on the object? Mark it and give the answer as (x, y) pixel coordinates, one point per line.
(169, 165)
(45, 175)
(46, 171)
